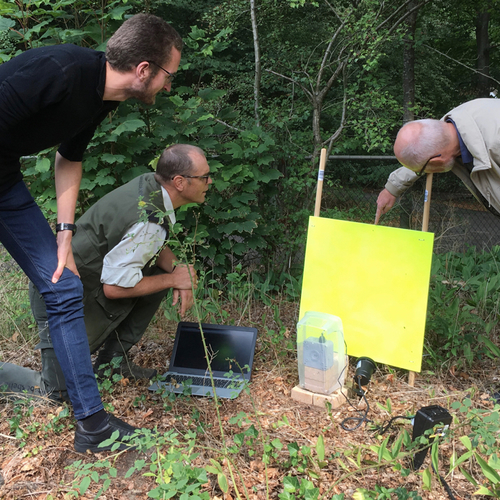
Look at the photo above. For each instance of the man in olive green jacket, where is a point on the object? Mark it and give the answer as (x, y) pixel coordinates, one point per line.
(125, 268)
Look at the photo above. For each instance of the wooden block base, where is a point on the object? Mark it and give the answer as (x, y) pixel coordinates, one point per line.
(336, 399)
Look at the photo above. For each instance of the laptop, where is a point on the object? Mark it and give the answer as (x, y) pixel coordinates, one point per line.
(231, 350)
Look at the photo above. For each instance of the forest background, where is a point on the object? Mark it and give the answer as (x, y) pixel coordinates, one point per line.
(263, 86)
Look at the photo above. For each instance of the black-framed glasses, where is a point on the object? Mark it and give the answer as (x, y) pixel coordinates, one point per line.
(421, 171)
(171, 75)
(206, 177)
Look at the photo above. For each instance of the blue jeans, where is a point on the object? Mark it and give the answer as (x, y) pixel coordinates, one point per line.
(28, 238)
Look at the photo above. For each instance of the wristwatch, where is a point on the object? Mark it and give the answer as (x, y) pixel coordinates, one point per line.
(64, 226)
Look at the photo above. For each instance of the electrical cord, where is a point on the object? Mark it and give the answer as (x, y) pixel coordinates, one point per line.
(362, 418)
(444, 483)
(383, 429)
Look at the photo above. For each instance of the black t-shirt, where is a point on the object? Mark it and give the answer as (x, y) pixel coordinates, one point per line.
(49, 96)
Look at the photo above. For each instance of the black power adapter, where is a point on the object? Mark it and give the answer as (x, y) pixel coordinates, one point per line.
(427, 418)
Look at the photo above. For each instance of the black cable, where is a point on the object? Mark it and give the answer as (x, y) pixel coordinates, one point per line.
(388, 425)
(444, 483)
(362, 418)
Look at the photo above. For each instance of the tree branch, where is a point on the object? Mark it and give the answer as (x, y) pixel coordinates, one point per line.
(227, 125)
(403, 17)
(461, 64)
(309, 94)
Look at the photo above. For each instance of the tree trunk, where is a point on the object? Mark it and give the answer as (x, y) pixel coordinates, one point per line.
(408, 96)
(483, 53)
(409, 65)
(258, 71)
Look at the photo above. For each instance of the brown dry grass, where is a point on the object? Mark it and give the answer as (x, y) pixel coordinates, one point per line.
(38, 469)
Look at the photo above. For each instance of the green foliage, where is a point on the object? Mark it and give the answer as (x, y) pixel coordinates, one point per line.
(480, 442)
(463, 307)
(22, 422)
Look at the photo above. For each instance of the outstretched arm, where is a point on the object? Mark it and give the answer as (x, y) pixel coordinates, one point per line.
(399, 181)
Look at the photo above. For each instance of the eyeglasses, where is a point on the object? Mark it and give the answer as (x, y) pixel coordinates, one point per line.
(421, 171)
(171, 75)
(206, 177)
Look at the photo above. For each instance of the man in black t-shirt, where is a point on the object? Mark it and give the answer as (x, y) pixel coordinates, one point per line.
(58, 96)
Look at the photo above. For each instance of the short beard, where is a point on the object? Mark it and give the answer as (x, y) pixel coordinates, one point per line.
(143, 94)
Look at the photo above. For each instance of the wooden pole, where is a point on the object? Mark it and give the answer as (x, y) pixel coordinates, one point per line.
(425, 228)
(427, 203)
(321, 175)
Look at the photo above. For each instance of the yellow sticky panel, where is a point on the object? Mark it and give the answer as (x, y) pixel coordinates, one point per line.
(376, 279)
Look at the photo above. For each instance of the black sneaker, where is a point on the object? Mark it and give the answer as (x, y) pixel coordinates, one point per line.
(86, 440)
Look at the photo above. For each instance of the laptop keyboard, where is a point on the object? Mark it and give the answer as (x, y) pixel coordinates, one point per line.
(202, 381)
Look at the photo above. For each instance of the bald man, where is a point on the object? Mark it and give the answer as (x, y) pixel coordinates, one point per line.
(465, 141)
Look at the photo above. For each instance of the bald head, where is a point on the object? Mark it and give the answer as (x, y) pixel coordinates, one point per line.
(419, 140)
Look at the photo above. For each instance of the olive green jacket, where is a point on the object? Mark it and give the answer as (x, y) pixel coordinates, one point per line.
(99, 230)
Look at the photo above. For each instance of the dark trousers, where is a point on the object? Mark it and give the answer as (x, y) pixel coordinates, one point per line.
(29, 239)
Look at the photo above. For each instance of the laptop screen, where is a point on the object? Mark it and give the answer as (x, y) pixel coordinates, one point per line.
(229, 347)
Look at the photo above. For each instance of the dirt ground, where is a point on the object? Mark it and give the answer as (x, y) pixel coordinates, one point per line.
(38, 469)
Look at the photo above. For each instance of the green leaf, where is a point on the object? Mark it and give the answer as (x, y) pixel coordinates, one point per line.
(109, 441)
(177, 100)
(320, 447)
(277, 444)
(463, 458)
(209, 94)
(483, 491)
(222, 480)
(84, 485)
(468, 476)
(107, 158)
(435, 454)
(291, 484)
(129, 472)
(235, 150)
(129, 126)
(489, 473)
(396, 447)
(491, 346)
(311, 494)
(6, 24)
(427, 479)
(465, 440)
(42, 165)
(117, 12)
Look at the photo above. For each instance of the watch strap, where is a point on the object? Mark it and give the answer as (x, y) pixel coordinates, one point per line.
(65, 226)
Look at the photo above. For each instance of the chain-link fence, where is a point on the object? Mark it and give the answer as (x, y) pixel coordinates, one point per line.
(457, 219)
